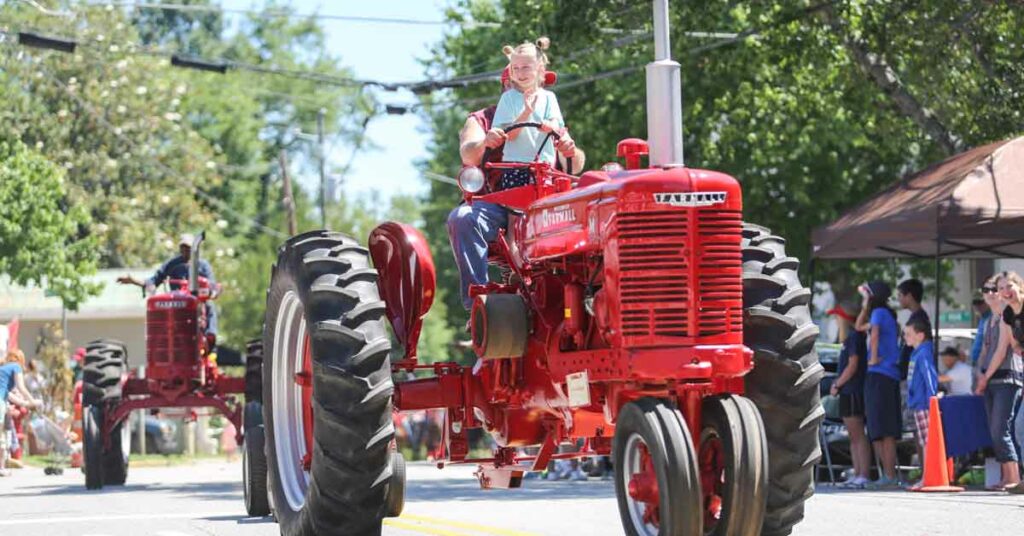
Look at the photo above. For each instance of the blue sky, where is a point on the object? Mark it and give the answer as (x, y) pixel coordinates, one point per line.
(386, 52)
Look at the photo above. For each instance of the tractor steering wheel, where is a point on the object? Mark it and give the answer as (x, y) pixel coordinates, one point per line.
(568, 161)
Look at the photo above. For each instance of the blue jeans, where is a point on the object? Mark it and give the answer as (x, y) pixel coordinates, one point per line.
(1000, 403)
(470, 228)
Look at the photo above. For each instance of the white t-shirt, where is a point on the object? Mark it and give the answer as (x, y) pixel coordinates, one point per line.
(959, 379)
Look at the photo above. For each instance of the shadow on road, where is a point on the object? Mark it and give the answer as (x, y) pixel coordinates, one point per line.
(207, 490)
(532, 490)
(241, 520)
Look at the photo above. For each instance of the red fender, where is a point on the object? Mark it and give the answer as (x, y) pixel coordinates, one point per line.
(407, 279)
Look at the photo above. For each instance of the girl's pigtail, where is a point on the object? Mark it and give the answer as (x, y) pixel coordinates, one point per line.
(507, 50)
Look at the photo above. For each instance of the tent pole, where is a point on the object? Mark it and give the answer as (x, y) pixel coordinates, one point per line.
(938, 296)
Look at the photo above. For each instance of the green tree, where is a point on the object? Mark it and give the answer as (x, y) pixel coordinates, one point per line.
(43, 240)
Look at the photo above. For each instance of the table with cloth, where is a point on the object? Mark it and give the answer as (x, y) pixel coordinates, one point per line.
(964, 424)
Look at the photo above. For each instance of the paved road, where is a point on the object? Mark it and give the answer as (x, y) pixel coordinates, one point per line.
(206, 499)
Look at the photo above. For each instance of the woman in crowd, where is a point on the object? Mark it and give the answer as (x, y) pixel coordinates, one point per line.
(882, 404)
(1001, 375)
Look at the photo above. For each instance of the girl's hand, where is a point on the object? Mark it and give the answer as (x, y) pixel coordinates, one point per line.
(548, 126)
(982, 383)
(529, 103)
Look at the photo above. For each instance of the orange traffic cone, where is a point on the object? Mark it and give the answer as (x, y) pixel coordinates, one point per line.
(936, 469)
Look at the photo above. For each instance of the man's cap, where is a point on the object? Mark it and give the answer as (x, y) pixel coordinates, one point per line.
(186, 239)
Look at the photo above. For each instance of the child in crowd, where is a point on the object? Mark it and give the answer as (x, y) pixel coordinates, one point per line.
(923, 381)
(13, 390)
(957, 378)
(849, 387)
(882, 383)
(528, 102)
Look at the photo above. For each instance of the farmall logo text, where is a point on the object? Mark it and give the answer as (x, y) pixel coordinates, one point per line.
(690, 199)
(554, 217)
(170, 305)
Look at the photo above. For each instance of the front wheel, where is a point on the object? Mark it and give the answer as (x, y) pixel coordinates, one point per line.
(326, 389)
(92, 446)
(115, 459)
(734, 467)
(656, 471)
(254, 473)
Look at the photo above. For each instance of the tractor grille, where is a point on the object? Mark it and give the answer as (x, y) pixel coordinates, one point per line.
(720, 271)
(171, 336)
(654, 273)
(658, 268)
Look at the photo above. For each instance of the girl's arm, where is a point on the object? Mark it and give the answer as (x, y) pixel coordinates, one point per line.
(21, 389)
(997, 358)
(875, 333)
(1001, 351)
(863, 322)
(848, 372)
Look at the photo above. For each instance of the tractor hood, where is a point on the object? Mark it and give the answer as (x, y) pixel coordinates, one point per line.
(577, 221)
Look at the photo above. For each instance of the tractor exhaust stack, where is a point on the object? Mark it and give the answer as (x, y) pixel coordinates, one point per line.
(193, 269)
(664, 97)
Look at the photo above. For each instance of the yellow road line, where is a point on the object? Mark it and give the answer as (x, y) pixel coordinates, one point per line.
(416, 527)
(447, 523)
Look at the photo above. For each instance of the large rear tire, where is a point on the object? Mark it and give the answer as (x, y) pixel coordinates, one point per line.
(734, 467)
(657, 480)
(101, 376)
(323, 299)
(784, 386)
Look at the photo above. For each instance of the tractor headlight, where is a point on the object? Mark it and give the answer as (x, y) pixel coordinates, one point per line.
(471, 179)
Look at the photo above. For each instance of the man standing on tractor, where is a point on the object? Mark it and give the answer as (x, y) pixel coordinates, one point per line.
(472, 227)
(176, 269)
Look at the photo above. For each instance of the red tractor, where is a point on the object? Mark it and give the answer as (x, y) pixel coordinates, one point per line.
(638, 316)
(179, 373)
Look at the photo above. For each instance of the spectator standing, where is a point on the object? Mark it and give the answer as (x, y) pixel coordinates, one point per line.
(849, 387)
(1000, 381)
(882, 384)
(12, 389)
(910, 293)
(924, 379)
(984, 314)
(957, 378)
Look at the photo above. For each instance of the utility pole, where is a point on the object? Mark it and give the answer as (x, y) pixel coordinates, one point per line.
(289, 201)
(323, 174)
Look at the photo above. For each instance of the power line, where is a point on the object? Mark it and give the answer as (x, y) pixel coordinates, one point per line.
(283, 13)
(99, 118)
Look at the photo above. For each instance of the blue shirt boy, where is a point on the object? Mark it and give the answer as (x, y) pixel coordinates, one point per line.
(888, 344)
(924, 380)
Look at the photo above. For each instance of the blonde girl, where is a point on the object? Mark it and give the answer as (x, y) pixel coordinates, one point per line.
(528, 102)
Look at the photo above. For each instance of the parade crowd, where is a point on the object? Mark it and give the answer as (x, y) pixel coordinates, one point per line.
(887, 370)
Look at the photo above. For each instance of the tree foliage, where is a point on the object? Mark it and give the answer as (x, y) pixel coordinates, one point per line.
(43, 240)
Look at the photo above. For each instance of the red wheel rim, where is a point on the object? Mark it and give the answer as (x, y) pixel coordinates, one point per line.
(642, 482)
(305, 380)
(712, 478)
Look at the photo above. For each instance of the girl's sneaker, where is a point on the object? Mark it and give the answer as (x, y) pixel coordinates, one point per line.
(883, 482)
(857, 482)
